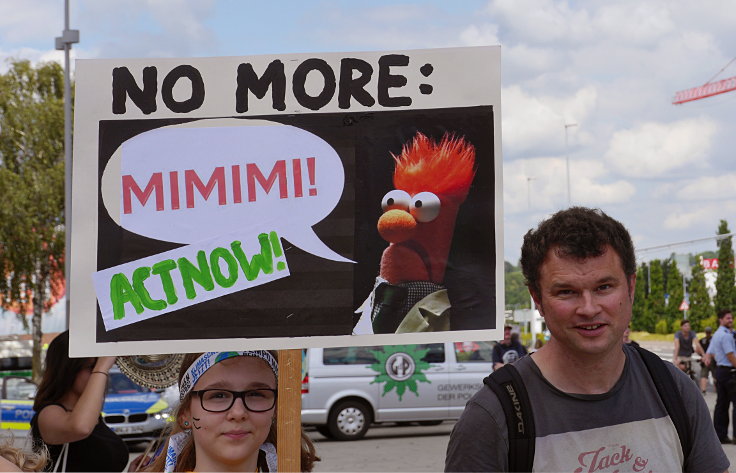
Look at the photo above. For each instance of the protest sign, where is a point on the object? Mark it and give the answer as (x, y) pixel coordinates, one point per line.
(294, 201)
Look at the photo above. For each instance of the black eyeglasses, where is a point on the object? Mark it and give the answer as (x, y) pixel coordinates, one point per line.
(221, 400)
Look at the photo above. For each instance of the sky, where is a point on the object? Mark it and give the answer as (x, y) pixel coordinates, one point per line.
(585, 82)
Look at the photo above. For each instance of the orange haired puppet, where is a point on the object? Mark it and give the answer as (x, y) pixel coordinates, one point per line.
(431, 181)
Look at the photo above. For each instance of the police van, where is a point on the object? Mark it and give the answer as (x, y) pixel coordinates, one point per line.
(346, 390)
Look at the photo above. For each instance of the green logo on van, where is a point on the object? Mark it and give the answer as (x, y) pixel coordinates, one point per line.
(400, 367)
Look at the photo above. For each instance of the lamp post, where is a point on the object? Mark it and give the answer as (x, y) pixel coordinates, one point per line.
(529, 192)
(567, 162)
(64, 42)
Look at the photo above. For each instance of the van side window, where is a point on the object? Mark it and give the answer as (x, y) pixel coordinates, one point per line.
(469, 352)
(349, 355)
(436, 353)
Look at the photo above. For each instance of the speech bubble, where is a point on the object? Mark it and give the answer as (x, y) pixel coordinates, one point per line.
(191, 182)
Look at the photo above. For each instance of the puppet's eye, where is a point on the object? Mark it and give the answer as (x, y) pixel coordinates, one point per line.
(425, 207)
(396, 199)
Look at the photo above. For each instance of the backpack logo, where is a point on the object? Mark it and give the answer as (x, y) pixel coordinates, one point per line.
(517, 408)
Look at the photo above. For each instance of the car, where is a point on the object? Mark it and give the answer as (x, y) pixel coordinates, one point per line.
(346, 390)
(133, 412)
(16, 404)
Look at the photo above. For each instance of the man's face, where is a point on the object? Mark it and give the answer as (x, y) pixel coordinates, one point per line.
(727, 320)
(685, 327)
(586, 303)
(507, 336)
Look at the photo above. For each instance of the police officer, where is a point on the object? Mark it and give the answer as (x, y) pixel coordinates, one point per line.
(722, 351)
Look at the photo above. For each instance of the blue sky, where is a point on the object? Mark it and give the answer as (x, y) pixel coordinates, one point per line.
(612, 67)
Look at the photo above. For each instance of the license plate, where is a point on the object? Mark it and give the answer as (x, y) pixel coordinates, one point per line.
(133, 429)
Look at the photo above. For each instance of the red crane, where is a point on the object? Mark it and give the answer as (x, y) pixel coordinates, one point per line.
(708, 89)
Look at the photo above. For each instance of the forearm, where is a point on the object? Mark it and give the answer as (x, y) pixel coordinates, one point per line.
(86, 412)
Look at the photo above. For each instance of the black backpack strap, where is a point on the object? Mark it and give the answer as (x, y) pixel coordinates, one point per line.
(511, 392)
(670, 395)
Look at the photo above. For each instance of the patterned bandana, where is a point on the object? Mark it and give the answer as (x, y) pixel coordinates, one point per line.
(209, 359)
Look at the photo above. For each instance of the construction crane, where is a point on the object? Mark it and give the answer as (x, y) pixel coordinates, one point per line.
(708, 89)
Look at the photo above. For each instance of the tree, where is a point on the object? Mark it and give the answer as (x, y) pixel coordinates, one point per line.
(32, 190)
(642, 317)
(673, 287)
(700, 304)
(725, 290)
(656, 290)
(516, 293)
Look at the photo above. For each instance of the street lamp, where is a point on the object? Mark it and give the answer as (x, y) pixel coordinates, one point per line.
(528, 191)
(64, 42)
(567, 162)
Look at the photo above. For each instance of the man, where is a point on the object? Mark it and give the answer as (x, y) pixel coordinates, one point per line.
(709, 368)
(686, 342)
(507, 350)
(722, 351)
(594, 402)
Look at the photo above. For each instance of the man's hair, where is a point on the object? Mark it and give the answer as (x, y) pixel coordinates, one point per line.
(722, 313)
(683, 322)
(579, 233)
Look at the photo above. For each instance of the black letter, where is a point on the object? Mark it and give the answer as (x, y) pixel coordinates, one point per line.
(123, 84)
(167, 89)
(248, 80)
(300, 76)
(387, 81)
(354, 87)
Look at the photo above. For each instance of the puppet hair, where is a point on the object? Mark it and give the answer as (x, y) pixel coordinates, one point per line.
(445, 168)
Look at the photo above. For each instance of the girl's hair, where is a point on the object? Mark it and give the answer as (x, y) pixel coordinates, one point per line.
(186, 460)
(26, 461)
(60, 373)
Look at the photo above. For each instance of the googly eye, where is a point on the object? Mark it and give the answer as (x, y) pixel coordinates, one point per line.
(425, 207)
(396, 199)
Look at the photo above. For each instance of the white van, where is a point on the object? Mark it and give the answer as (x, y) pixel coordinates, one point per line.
(345, 390)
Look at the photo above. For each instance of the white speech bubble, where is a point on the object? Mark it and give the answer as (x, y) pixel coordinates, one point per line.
(190, 182)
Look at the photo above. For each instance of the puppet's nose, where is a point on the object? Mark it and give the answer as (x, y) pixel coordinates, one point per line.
(396, 226)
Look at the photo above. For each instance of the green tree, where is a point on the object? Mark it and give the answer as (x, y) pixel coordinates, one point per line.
(700, 304)
(516, 293)
(642, 318)
(32, 190)
(673, 287)
(725, 290)
(656, 290)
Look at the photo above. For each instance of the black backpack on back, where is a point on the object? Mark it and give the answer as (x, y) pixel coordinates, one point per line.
(511, 392)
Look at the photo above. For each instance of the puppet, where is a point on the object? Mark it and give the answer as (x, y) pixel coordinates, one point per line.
(431, 181)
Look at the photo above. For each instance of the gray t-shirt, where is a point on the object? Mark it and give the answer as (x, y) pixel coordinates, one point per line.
(626, 429)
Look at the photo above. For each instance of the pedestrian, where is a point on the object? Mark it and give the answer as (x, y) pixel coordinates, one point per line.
(709, 368)
(67, 408)
(722, 352)
(686, 343)
(507, 350)
(226, 420)
(627, 340)
(595, 404)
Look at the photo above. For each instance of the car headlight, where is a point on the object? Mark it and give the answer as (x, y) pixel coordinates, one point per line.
(163, 415)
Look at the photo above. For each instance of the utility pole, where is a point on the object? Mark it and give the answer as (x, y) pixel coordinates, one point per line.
(64, 42)
(567, 162)
(528, 192)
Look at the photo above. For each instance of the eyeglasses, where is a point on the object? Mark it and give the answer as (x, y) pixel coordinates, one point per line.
(221, 400)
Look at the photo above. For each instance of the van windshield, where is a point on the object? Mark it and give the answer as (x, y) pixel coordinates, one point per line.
(366, 356)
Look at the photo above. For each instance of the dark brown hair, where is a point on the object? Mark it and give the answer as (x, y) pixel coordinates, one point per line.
(579, 233)
(186, 460)
(722, 313)
(60, 373)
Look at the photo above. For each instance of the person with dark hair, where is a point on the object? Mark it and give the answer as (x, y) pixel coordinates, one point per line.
(686, 343)
(68, 405)
(585, 401)
(722, 353)
(705, 367)
(226, 420)
(507, 350)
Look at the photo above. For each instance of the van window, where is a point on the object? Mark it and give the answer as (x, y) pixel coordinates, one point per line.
(365, 356)
(468, 352)
(349, 356)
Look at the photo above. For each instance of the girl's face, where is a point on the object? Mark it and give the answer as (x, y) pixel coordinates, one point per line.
(82, 378)
(229, 440)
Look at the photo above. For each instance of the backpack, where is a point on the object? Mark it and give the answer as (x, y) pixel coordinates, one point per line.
(512, 394)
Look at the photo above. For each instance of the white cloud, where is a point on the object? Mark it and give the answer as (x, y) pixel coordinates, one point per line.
(536, 122)
(703, 218)
(655, 149)
(709, 187)
(482, 35)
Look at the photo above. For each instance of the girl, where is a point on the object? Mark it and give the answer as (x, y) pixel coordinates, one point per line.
(226, 420)
(68, 405)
